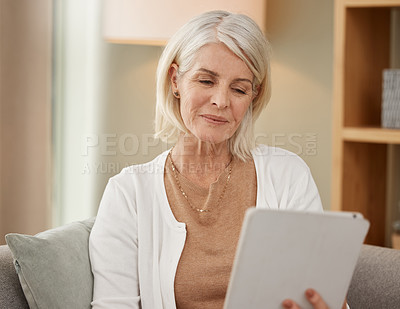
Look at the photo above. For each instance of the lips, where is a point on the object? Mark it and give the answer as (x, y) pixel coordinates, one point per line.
(214, 119)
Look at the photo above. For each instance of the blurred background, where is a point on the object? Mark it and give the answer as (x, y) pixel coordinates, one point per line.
(76, 108)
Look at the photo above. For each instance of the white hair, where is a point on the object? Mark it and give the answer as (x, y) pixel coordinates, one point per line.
(245, 39)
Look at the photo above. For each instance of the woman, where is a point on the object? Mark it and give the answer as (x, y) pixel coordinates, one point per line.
(166, 232)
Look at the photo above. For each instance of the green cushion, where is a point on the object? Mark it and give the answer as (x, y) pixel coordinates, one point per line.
(53, 266)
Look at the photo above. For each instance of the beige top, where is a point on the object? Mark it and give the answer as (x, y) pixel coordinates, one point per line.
(205, 265)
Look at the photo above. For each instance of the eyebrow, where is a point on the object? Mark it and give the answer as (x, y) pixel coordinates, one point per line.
(217, 75)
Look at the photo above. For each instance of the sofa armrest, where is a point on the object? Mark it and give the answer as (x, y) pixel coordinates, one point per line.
(11, 295)
(376, 279)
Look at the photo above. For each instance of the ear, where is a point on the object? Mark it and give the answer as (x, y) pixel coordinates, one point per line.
(173, 75)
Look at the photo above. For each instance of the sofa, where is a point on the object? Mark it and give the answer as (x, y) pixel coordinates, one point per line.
(375, 283)
(11, 294)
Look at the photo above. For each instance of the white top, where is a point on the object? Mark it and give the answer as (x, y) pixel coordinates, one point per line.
(136, 242)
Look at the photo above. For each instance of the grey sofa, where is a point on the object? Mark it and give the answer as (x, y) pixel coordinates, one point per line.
(11, 295)
(375, 283)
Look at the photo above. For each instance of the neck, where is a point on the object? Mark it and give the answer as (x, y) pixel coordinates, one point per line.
(195, 158)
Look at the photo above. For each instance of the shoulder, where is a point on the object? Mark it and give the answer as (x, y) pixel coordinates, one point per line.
(285, 180)
(140, 174)
(278, 159)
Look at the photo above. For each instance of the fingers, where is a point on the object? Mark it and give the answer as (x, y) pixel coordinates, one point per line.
(312, 296)
(289, 304)
(315, 299)
(345, 304)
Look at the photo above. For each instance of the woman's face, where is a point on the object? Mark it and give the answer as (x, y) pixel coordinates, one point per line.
(215, 94)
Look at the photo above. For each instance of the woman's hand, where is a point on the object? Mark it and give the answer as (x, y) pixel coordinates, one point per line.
(313, 297)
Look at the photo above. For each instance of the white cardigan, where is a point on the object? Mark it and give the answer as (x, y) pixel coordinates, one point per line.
(136, 242)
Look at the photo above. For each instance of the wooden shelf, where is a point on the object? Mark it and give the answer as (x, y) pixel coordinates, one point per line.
(371, 3)
(371, 135)
(360, 152)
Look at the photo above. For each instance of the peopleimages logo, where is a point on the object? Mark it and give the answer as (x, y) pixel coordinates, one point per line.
(127, 146)
(302, 144)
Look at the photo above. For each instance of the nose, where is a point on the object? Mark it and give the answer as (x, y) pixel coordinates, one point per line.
(221, 98)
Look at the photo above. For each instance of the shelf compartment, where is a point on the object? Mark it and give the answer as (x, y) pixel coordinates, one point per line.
(366, 55)
(371, 135)
(364, 185)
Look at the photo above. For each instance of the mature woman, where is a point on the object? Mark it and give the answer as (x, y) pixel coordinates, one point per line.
(166, 231)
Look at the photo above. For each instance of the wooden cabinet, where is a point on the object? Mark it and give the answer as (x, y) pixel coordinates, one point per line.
(360, 146)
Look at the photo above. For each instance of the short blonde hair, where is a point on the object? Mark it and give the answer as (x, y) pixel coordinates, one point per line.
(245, 39)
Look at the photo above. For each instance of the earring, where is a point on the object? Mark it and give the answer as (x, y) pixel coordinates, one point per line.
(176, 94)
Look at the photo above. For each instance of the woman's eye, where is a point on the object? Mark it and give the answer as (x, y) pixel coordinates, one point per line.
(206, 82)
(240, 91)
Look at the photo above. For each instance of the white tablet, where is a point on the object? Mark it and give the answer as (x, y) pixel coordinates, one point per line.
(282, 253)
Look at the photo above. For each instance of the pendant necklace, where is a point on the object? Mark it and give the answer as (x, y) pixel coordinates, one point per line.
(175, 172)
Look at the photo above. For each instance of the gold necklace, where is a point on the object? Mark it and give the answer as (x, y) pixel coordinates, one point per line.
(175, 171)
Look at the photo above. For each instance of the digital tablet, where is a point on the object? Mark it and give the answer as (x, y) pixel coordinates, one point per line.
(282, 253)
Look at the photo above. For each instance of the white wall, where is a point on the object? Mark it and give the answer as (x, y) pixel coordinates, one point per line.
(299, 113)
(125, 133)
